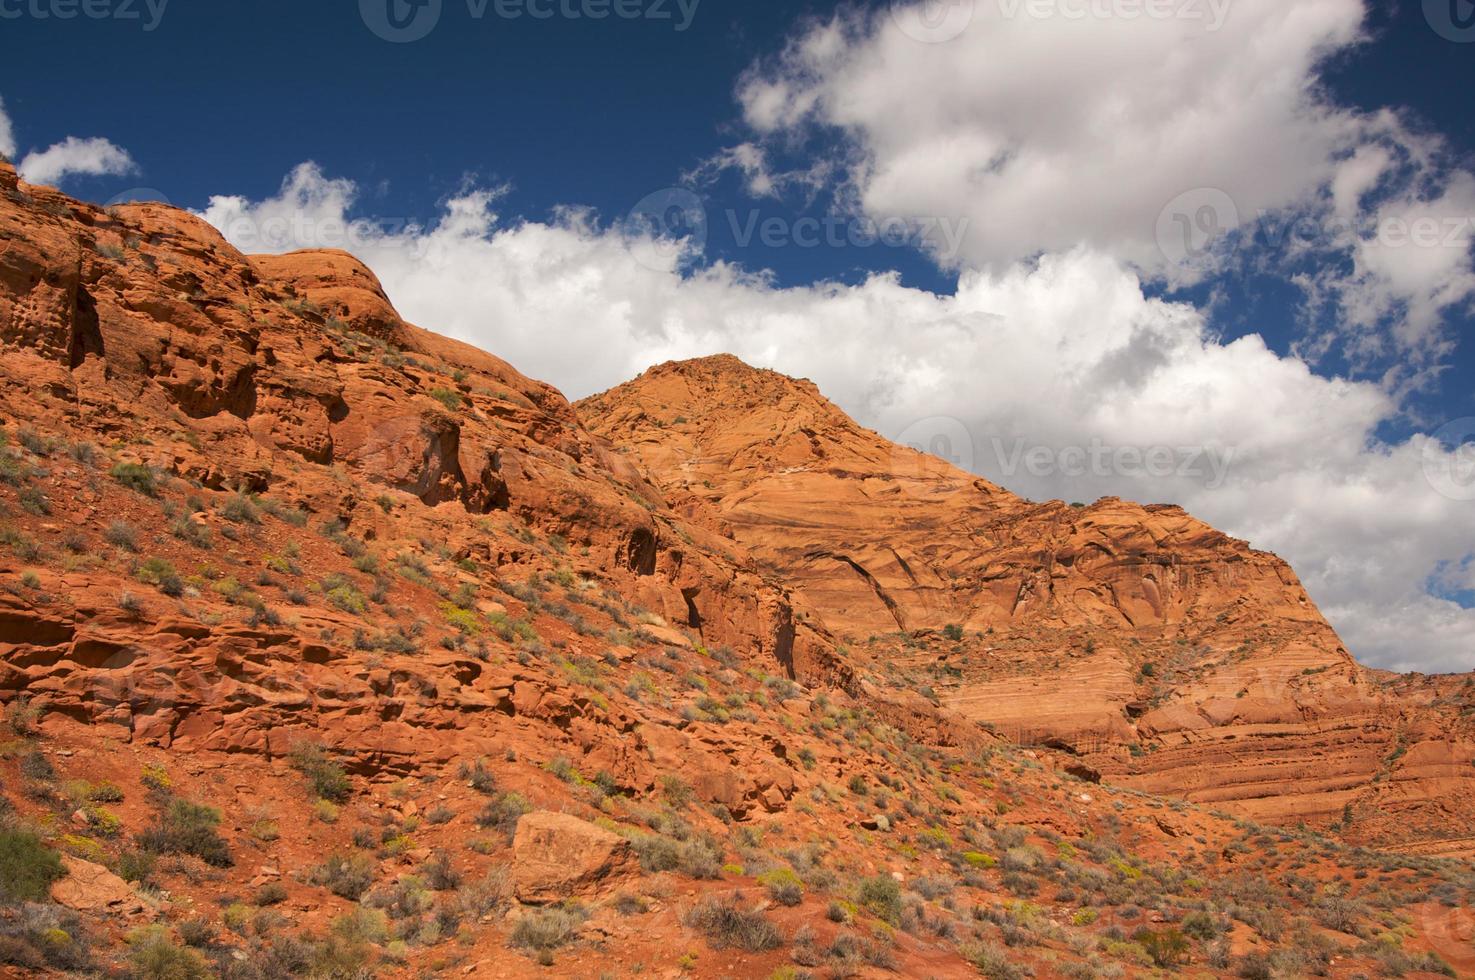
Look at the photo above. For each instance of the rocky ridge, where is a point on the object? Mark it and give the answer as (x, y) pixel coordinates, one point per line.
(1153, 650)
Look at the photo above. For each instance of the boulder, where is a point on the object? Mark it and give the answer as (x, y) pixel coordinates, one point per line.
(92, 888)
(556, 856)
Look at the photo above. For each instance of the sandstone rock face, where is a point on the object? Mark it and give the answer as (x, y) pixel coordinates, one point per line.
(556, 856)
(94, 889)
(1160, 652)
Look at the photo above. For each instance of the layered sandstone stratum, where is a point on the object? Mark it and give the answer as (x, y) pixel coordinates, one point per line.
(330, 647)
(1158, 652)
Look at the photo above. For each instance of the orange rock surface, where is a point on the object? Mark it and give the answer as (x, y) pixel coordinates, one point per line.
(350, 650)
(1163, 654)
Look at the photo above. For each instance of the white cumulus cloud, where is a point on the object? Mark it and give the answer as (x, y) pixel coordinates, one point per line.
(73, 156)
(7, 133)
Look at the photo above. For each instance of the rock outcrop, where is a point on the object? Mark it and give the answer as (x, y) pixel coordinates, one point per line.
(1156, 651)
(556, 857)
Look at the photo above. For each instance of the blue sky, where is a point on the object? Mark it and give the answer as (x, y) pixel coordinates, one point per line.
(767, 110)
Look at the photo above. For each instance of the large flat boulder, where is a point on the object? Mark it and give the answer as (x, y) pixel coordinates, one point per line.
(556, 856)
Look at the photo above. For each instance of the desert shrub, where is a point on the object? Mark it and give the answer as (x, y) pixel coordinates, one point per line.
(440, 874)
(239, 509)
(727, 925)
(271, 893)
(136, 477)
(344, 595)
(696, 857)
(121, 534)
(347, 876)
(502, 813)
(783, 886)
(27, 868)
(490, 893)
(35, 937)
(1167, 948)
(325, 776)
(992, 962)
(547, 929)
(1200, 925)
(447, 397)
(160, 573)
(153, 956)
(188, 828)
(479, 777)
(881, 896)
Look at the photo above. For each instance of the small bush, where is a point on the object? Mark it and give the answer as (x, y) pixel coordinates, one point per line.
(783, 886)
(240, 509)
(347, 876)
(161, 575)
(727, 925)
(27, 868)
(121, 534)
(503, 813)
(136, 477)
(992, 962)
(881, 896)
(325, 776)
(271, 893)
(188, 828)
(547, 929)
(155, 957)
(448, 398)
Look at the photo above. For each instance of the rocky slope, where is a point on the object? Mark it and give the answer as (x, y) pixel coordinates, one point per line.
(1159, 652)
(332, 648)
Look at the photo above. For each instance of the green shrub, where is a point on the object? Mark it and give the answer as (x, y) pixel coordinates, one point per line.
(136, 477)
(155, 957)
(239, 509)
(503, 813)
(347, 876)
(1167, 948)
(188, 828)
(783, 886)
(324, 775)
(27, 868)
(881, 896)
(161, 575)
(991, 961)
(447, 397)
